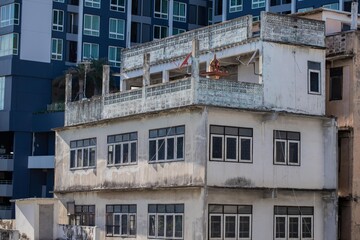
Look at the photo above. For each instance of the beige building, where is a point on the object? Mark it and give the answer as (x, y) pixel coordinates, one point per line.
(194, 151)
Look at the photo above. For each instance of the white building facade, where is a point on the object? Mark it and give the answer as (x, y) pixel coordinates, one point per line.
(177, 154)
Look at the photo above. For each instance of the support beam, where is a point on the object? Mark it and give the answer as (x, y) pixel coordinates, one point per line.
(354, 14)
(146, 69)
(105, 79)
(165, 76)
(68, 88)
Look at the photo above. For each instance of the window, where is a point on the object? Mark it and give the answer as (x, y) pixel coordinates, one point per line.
(161, 9)
(166, 221)
(84, 215)
(197, 15)
(210, 16)
(56, 49)
(83, 153)
(302, 10)
(90, 51)
(92, 3)
(114, 56)
(230, 221)
(117, 5)
(160, 32)
(122, 149)
(256, 18)
(116, 28)
(121, 220)
(178, 31)
(60, 1)
(179, 11)
(9, 15)
(2, 93)
(58, 20)
(231, 144)
(258, 4)
(236, 5)
(314, 77)
(334, 6)
(166, 144)
(336, 83)
(293, 222)
(91, 25)
(286, 148)
(9, 44)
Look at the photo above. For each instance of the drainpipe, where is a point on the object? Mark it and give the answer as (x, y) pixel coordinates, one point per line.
(354, 14)
(171, 17)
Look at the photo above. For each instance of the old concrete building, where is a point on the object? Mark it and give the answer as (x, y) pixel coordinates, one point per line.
(217, 133)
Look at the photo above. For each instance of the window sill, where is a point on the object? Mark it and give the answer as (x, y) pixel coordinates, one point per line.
(118, 165)
(166, 161)
(82, 168)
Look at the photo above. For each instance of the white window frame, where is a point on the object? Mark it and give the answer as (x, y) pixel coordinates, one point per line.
(178, 17)
(251, 150)
(8, 15)
(312, 227)
(288, 152)
(121, 222)
(285, 151)
(237, 7)
(117, 35)
(92, 3)
(222, 150)
(114, 62)
(58, 25)
(118, 7)
(160, 31)
(2, 92)
(299, 228)
(225, 146)
(79, 160)
(286, 227)
(257, 4)
(177, 31)
(161, 14)
(92, 31)
(58, 54)
(92, 45)
(334, 6)
(175, 137)
(129, 143)
(250, 226)
(9, 44)
(236, 226)
(319, 80)
(165, 224)
(221, 227)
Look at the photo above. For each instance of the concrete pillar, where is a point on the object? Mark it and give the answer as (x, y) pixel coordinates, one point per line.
(224, 10)
(105, 79)
(128, 23)
(68, 87)
(122, 84)
(354, 14)
(194, 69)
(146, 69)
(293, 6)
(267, 5)
(80, 31)
(341, 5)
(165, 76)
(171, 17)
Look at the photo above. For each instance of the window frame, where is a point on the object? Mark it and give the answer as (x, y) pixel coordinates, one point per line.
(113, 214)
(117, 61)
(255, 4)
(58, 21)
(318, 80)
(221, 226)
(78, 217)
(13, 44)
(13, 14)
(178, 17)
(92, 3)
(236, 7)
(286, 140)
(57, 55)
(117, 35)
(236, 225)
(93, 30)
(117, 7)
(161, 14)
(91, 45)
(77, 159)
(114, 143)
(336, 76)
(161, 28)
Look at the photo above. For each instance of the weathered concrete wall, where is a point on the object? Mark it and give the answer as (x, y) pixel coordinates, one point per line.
(262, 173)
(340, 44)
(285, 77)
(144, 174)
(292, 30)
(86, 110)
(73, 232)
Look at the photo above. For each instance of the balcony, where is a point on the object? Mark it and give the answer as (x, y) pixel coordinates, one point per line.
(6, 188)
(41, 162)
(6, 163)
(340, 45)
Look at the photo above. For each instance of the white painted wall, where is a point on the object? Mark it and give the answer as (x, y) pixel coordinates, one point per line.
(36, 25)
(285, 78)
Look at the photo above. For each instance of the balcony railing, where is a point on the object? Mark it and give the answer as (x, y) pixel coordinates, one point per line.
(340, 44)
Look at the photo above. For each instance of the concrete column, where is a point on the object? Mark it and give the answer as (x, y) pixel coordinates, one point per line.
(354, 14)
(224, 10)
(146, 69)
(341, 5)
(293, 6)
(165, 76)
(68, 87)
(194, 68)
(80, 31)
(105, 79)
(128, 22)
(122, 84)
(171, 17)
(267, 5)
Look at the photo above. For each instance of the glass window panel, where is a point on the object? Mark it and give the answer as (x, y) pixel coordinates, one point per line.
(161, 149)
(152, 225)
(231, 148)
(180, 147)
(170, 148)
(125, 153)
(132, 227)
(293, 152)
(217, 146)
(245, 149)
(72, 158)
(161, 226)
(230, 209)
(306, 227)
(314, 82)
(85, 157)
(244, 227)
(152, 150)
(280, 149)
(215, 226)
(110, 154)
(92, 157)
(169, 225)
(117, 153)
(230, 226)
(280, 227)
(116, 224)
(133, 152)
(294, 227)
(124, 224)
(178, 226)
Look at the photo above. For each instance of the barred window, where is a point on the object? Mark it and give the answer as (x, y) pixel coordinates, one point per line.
(122, 149)
(84, 215)
(121, 220)
(83, 153)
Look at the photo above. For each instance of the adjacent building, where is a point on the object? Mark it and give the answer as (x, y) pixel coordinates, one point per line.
(210, 137)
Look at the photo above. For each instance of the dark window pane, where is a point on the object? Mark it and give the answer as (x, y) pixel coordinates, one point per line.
(178, 226)
(280, 152)
(125, 153)
(217, 147)
(92, 157)
(132, 225)
(230, 226)
(72, 159)
(116, 224)
(110, 154)
(79, 158)
(169, 225)
(244, 227)
(306, 227)
(133, 152)
(314, 82)
(161, 149)
(86, 157)
(180, 148)
(231, 148)
(170, 148)
(161, 225)
(152, 150)
(293, 152)
(117, 154)
(336, 82)
(293, 227)
(280, 227)
(215, 226)
(124, 224)
(151, 225)
(245, 149)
